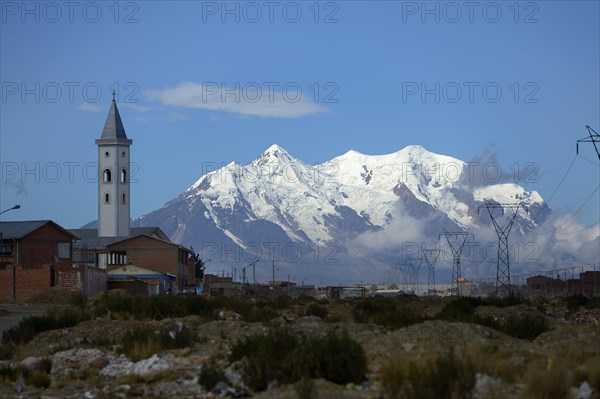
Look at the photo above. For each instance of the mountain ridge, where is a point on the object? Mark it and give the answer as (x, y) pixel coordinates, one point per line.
(277, 198)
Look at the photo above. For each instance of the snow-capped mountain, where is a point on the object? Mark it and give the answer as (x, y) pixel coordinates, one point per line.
(279, 203)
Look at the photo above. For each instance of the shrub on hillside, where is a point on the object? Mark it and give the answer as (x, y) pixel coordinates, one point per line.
(387, 312)
(460, 309)
(525, 327)
(440, 376)
(282, 356)
(314, 309)
(143, 342)
(54, 319)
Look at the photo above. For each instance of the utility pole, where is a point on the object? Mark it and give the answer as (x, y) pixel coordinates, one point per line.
(503, 259)
(14, 266)
(431, 257)
(593, 138)
(456, 241)
(273, 280)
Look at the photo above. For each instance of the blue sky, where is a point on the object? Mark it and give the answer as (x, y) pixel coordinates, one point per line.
(360, 67)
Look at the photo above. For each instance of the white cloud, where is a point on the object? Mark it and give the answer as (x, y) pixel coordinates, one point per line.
(249, 100)
(89, 107)
(135, 107)
(177, 117)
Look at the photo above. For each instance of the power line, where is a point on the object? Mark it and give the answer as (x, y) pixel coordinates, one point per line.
(570, 217)
(593, 137)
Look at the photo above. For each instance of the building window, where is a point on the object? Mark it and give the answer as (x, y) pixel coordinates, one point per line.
(106, 176)
(123, 175)
(107, 154)
(64, 250)
(6, 248)
(107, 198)
(123, 154)
(117, 258)
(123, 198)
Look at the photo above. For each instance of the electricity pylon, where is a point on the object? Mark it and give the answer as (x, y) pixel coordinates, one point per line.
(593, 138)
(410, 270)
(430, 256)
(456, 241)
(503, 259)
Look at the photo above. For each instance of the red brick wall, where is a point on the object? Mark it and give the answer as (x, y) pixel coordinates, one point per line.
(41, 246)
(29, 282)
(69, 279)
(35, 252)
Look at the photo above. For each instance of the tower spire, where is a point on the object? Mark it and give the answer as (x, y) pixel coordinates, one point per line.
(114, 176)
(113, 127)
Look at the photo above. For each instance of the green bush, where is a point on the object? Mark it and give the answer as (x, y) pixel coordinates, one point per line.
(7, 350)
(387, 312)
(155, 307)
(161, 307)
(593, 303)
(525, 327)
(54, 319)
(460, 309)
(38, 379)
(314, 309)
(282, 356)
(78, 300)
(503, 302)
(574, 302)
(305, 389)
(143, 342)
(211, 375)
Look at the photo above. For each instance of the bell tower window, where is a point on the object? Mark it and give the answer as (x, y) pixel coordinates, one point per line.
(107, 198)
(123, 198)
(106, 176)
(123, 176)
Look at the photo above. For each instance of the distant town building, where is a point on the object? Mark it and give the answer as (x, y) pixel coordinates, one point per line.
(138, 280)
(34, 256)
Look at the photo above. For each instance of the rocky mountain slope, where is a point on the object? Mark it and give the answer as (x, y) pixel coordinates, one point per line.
(279, 206)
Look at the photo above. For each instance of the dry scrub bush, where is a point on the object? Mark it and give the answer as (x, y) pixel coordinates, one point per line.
(434, 376)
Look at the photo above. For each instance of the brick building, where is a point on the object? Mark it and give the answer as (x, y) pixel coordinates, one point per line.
(34, 256)
(157, 254)
(588, 283)
(545, 286)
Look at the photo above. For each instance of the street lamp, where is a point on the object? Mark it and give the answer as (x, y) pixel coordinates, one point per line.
(17, 206)
(10, 209)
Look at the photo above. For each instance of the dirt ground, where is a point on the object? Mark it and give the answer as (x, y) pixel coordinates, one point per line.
(84, 365)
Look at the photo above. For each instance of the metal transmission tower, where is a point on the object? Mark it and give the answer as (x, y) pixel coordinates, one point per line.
(411, 267)
(593, 138)
(456, 241)
(430, 256)
(503, 260)
(405, 271)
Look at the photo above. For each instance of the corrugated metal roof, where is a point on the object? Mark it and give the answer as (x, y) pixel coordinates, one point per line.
(90, 240)
(19, 229)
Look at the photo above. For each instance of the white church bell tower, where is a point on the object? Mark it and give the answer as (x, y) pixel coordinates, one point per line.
(113, 179)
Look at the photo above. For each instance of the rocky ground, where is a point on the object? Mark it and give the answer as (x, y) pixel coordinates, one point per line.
(84, 363)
